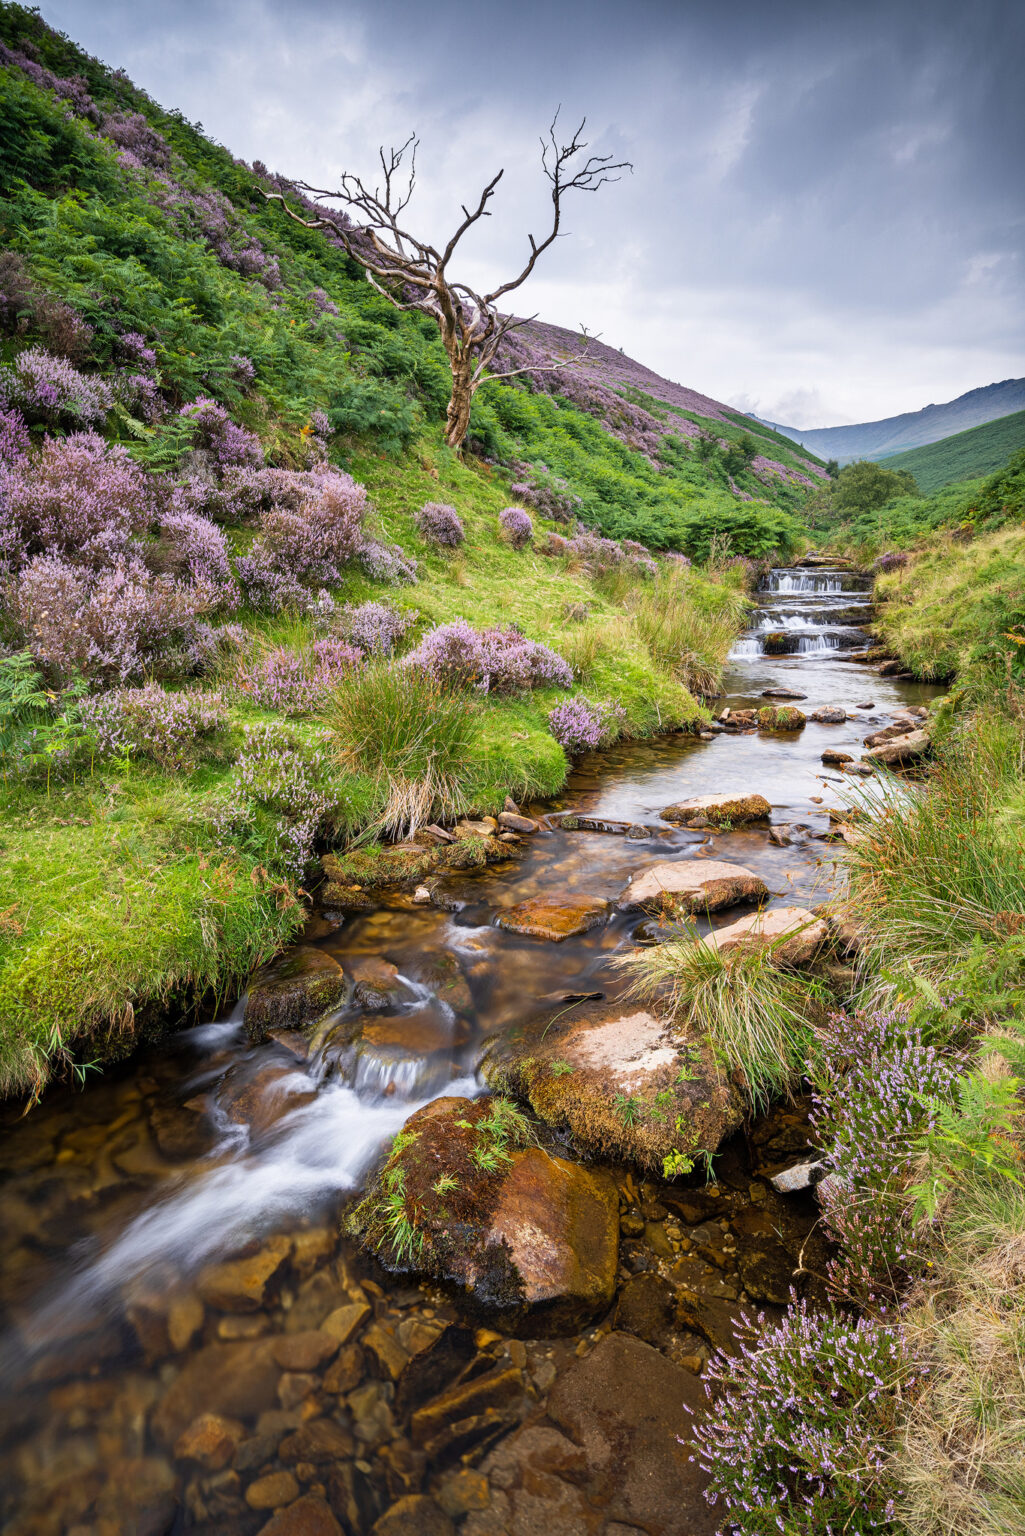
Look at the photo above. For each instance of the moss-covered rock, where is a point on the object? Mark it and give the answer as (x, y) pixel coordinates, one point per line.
(691, 885)
(294, 990)
(781, 717)
(620, 1079)
(716, 809)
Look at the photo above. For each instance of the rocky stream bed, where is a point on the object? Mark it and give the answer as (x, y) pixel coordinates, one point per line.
(192, 1343)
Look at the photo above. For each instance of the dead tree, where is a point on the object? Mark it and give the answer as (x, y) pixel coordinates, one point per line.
(412, 274)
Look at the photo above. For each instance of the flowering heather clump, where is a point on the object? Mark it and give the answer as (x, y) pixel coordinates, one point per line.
(231, 445)
(198, 549)
(383, 562)
(278, 775)
(554, 544)
(131, 132)
(548, 494)
(14, 438)
(139, 394)
(133, 348)
(296, 683)
(799, 1426)
(517, 526)
(491, 660)
(150, 722)
(580, 725)
(114, 625)
(243, 371)
(676, 557)
(596, 552)
(375, 627)
(73, 90)
(320, 424)
(869, 1114)
(80, 498)
(322, 302)
(440, 524)
(50, 390)
(892, 560)
(305, 545)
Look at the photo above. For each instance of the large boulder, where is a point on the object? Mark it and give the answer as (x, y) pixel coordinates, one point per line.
(692, 885)
(795, 934)
(465, 1198)
(294, 990)
(735, 809)
(829, 714)
(900, 750)
(554, 917)
(781, 717)
(619, 1079)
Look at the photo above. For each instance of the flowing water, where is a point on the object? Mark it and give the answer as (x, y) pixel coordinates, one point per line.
(118, 1199)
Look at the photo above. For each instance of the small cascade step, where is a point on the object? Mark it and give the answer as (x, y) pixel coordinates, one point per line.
(807, 612)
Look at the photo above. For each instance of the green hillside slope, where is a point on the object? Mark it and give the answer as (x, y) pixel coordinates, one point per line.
(965, 456)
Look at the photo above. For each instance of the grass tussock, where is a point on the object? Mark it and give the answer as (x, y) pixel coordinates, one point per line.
(757, 1017)
(689, 630)
(415, 739)
(960, 1461)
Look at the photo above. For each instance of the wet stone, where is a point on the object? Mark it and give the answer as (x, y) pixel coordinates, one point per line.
(716, 809)
(322, 1440)
(272, 1491)
(308, 1516)
(211, 1441)
(414, 1515)
(304, 1351)
(692, 885)
(240, 1285)
(554, 918)
(343, 1322)
(293, 991)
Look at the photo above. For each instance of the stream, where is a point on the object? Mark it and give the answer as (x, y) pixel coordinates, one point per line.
(118, 1199)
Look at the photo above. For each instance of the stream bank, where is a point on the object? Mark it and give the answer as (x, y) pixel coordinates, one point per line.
(191, 1345)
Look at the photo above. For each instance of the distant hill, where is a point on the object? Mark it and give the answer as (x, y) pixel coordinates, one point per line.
(914, 429)
(965, 456)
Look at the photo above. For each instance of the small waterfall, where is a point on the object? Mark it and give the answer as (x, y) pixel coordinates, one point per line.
(806, 613)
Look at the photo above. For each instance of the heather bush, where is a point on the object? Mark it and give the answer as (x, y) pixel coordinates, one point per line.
(25, 307)
(133, 348)
(375, 627)
(14, 438)
(389, 563)
(874, 1077)
(232, 446)
(281, 800)
(548, 494)
(306, 543)
(491, 660)
(149, 722)
(297, 682)
(800, 1425)
(554, 544)
(112, 625)
(80, 499)
(50, 390)
(517, 526)
(583, 725)
(196, 548)
(440, 524)
(132, 133)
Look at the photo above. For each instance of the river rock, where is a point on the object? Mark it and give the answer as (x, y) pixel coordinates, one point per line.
(292, 991)
(719, 808)
(783, 693)
(375, 982)
(512, 821)
(235, 1381)
(272, 1491)
(781, 717)
(572, 822)
(828, 715)
(308, 1516)
(554, 917)
(260, 1099)
(692, 885)
(808, 934)
(833, 758)
(211, 1441)
(619, 1079)
(442, 972)
(414, 1515)
(614, 1462)
(240, 1285)
(518, 1229)
(902, 749)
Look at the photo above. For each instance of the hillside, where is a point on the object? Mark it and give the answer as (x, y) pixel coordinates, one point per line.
(913, 429)
(965, 456)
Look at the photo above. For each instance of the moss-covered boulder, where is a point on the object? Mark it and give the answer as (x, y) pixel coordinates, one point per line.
(733, 809)
(781, 717)
(466, 1198)
(294, 990)
(622, 1081)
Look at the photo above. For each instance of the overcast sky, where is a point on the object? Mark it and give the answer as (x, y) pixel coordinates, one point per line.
(825, 219)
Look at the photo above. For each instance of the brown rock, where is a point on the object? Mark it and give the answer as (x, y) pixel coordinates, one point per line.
(233, 1380)
(497, 1389)
(240, 1285)
(375, 982)
(346, 1371)
(833, 758)
(304, 1351)
(272, 1491)
(294, 1387)
(385, 1352)
(781, 717)
(414, 1515)
(184, 1320)
(210, 1440)
(735, 809)
(512, 822)
(693, 885)
(770, 928)
(420, 1034)
(902, 749)
(260, 1099)
(308, 1516)
(464, 1491)
(293, 991)
(829, 715)
(555, 918)
(343, 1322)
(180, 1133)
(321, 1440)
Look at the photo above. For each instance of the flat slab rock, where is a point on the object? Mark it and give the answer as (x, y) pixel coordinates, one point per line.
(577, 1065)
(696, 885)
(807, 934)
(716, 808)
(554, 917)
(610, 1457)
(901, 749)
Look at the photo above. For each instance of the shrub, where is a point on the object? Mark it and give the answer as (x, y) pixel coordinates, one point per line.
(231, 445)
(50, 390)
(440, 524)
(491, 660)
(383, 562)
(197, 548)
(892, 560)
(555, 544)
(150, 722)
(14, 438)
(297, 682)
(374, 627)
(281, 800)
(580, 725)
(414, 738)
(517, 526)
(306, 544)
(80, 499)
(798, 1433)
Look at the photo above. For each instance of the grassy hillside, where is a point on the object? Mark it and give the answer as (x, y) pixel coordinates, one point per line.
(242, 570)
(965, 456)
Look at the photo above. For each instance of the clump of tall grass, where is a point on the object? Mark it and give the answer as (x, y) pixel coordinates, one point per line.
(688, 638)
(415, 739)
(757, 1016)
(936, 877)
